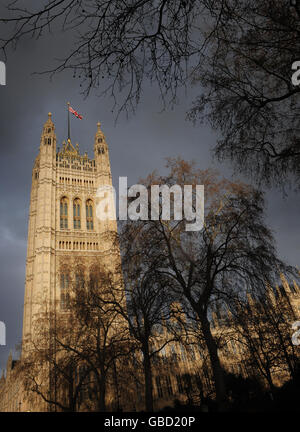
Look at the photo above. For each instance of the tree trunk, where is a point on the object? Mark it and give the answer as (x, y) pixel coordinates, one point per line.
(270, 380)
(116, 384)
(102, 394)
(218, 372)
(72, 401)
(285, 353)
(148, 378)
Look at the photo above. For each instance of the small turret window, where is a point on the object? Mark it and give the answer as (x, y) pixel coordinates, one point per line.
(89, 215)
(76, 214)
(100, 150)
(49, 141)
(100, 140)
(64, 213)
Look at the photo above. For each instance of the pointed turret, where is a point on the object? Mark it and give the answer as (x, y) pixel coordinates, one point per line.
(99, 137)
(100, 144)
(48, 136)
(102, 157)
(48, 140)
(42, 224)
(104, 183)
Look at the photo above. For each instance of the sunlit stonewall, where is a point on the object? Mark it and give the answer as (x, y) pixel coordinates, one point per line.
(2, 333)
(2, 73)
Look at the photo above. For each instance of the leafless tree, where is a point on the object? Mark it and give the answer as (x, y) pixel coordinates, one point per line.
(234, 248)
(76, 349)
(51, 375)
(125, 41)
(262, 327)
(105, 335)
(240, 52)
(147, 307)
(248, 93)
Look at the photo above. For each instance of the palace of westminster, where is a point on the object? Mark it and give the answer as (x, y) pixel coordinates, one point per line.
(63, 223)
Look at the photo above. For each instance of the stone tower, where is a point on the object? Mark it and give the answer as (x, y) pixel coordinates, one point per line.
(63, 222)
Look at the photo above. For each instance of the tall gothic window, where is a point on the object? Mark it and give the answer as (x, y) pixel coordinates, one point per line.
(79, 280)
(76, 214)
(169, 385)
(64, 291)
(64, 213)
(179, 384)
(159, 387)
(89, 215)
(94, 279)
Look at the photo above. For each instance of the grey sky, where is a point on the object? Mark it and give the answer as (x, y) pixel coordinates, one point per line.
(137, 147)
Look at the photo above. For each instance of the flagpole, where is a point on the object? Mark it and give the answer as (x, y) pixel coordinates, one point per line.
(69, 128)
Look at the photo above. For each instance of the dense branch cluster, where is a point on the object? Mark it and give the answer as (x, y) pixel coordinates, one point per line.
(248, 92)
(240, 52)
(120, 40)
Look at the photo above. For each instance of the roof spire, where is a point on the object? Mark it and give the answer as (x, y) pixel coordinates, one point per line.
(49, 120)
(48, 129)
(99, 137)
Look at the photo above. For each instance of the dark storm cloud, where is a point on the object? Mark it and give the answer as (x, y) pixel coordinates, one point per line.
(137, 147)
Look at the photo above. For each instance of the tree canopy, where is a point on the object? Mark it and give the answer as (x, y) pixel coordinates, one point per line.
(239, 53)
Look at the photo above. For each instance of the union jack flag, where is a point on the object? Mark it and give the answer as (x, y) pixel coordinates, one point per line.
(76, 114)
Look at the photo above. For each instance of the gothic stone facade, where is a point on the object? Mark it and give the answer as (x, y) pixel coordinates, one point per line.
(62, 225)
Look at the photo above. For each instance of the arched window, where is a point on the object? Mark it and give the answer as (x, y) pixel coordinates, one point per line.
(79, 280)
(64, 291)
(89, 215)
(94, 279)
(76, 214)
(64, 213)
